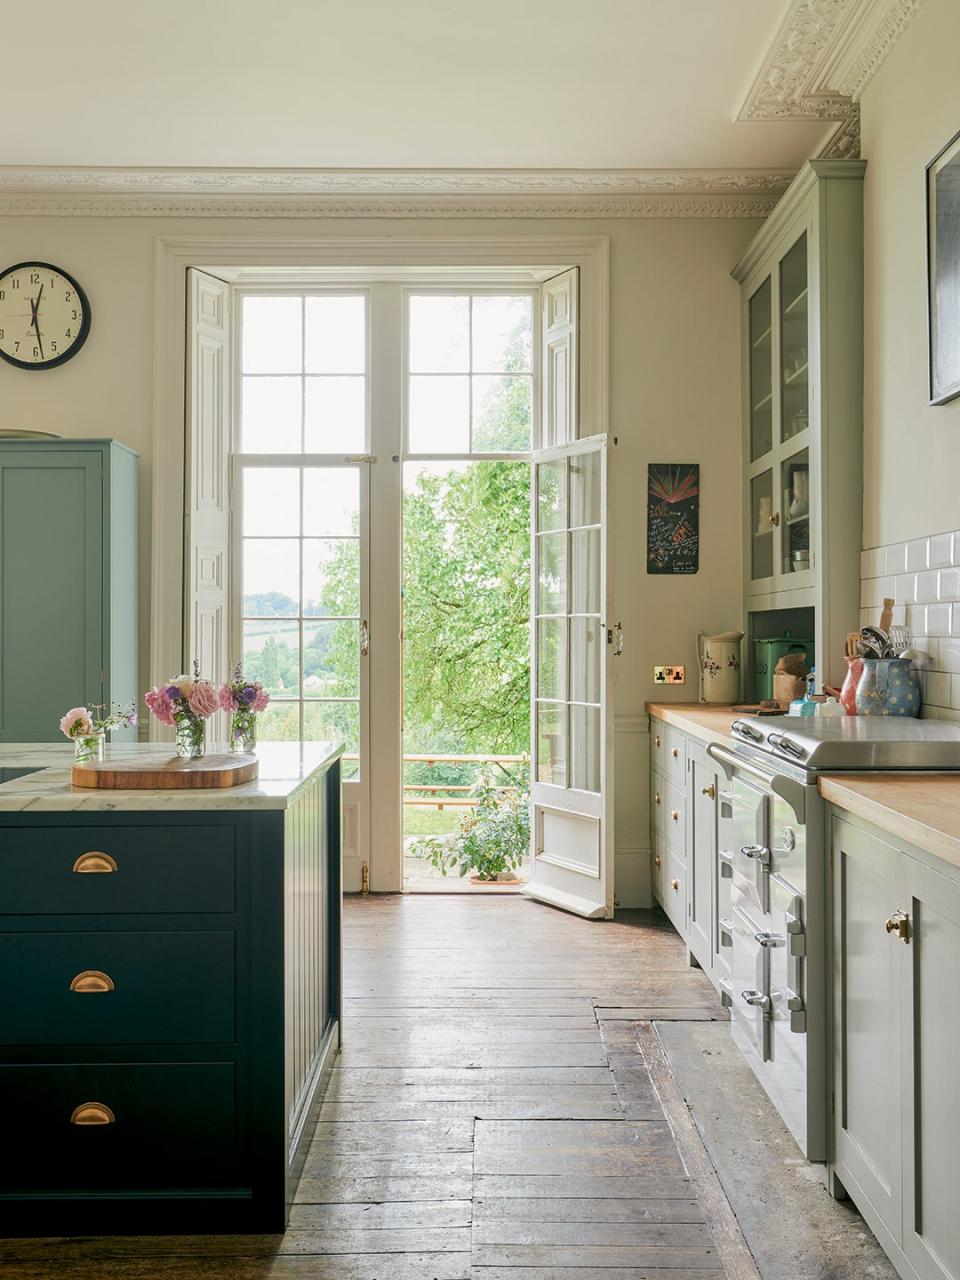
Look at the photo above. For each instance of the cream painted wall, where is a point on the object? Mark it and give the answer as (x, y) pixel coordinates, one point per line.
(675, 397)
(911, 450)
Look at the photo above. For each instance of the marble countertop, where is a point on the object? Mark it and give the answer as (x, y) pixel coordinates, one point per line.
(285, 767)
(922, 809)
(706, 723)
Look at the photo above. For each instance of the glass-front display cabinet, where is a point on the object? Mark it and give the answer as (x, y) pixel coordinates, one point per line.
(802, 285)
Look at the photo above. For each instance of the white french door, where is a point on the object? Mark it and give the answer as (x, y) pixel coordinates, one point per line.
(573, 642)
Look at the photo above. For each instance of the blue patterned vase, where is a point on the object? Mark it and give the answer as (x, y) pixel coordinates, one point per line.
(886, 689)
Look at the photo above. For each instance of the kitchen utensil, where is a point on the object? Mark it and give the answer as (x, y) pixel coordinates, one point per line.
(901, 638)
(886, 615)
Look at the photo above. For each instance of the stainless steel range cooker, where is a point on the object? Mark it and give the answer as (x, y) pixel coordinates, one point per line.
(774, 887)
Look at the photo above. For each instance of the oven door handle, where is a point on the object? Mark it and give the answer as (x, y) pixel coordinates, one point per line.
(793, 792)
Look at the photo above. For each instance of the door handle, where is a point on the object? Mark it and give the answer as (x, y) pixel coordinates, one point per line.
(364, 638)
(756, 999)
(758, 851)
(899, 923)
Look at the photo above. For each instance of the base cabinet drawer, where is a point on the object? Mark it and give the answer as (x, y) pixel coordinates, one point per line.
(669, 808)
(674, 898)
(119, 1126)
(117, 870)
(117, 988)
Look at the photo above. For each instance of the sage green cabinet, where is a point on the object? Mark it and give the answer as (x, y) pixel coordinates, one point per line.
(701, 892)
(68, 582)
(802, 340)
(896, 1020)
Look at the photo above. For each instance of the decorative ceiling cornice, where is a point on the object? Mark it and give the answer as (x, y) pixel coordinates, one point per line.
(822, 58)
(392, 193)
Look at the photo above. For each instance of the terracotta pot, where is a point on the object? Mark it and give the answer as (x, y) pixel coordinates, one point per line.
(848, 694)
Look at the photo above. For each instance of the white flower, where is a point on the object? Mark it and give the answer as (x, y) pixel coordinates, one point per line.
(184, 683)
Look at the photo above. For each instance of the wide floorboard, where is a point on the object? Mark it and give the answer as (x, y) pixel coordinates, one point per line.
(492, 1116)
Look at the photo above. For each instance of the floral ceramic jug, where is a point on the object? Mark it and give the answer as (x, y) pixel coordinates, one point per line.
(886, 689)
(719, 666)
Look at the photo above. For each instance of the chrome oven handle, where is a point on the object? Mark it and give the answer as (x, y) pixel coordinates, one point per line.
(755, 999)
(729, 760)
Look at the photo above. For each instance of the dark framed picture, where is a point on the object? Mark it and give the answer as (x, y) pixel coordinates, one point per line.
(943, 271)
(673, 517)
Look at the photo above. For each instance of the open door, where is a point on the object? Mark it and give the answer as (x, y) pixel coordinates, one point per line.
(572, 637)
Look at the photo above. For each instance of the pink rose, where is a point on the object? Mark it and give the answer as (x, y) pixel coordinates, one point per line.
(203, 700)
(227, 698)
(77, 723)
(161, 706)
(260, 702)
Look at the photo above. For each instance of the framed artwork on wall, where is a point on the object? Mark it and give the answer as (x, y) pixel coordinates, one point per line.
(943, 271)
(673, 517)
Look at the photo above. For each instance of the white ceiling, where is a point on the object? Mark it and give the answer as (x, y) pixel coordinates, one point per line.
(392, 83)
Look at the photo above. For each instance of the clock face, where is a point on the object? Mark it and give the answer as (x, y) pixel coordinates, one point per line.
(44, 315)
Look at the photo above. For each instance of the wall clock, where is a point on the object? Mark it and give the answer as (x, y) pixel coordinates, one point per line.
(44, 315)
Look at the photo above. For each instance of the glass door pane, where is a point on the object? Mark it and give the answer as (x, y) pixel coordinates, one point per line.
(794, 342)
(795, 483)
(761, 372)
(761, 525)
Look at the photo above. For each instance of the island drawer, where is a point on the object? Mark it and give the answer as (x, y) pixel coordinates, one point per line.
(117, 988)
(103, 870)
(126, 1127)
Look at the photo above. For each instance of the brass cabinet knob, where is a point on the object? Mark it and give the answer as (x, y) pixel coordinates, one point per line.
(657, 860)
(91, 980)
(675, 814)
(674, 751)
(656, 798)
(710, 792)
(95, 861)
(656, 740)
(774, 519)
(674, 884)
(92, 1113)
(899, 923)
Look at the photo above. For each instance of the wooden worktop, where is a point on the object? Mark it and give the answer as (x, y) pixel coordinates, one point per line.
(706, 723)
(922, 809)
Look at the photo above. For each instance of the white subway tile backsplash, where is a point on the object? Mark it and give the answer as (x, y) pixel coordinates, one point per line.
(938, 620)
(917, 554)
(940, 550)
(923, 576)
(937, 688)
(927, 586)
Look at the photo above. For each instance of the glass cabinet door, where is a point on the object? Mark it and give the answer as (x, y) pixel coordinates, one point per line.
(796, 513)
(761, 371)
(794, 342)
(762, 524)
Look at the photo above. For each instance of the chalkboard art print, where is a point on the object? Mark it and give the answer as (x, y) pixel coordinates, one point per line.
(943, 272)
(673, 517)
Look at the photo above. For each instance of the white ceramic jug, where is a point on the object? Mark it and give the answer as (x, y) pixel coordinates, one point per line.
(719, 666)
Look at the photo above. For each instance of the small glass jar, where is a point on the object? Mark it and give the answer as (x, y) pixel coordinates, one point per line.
(89, 747)
(191, 737)
(243, 732)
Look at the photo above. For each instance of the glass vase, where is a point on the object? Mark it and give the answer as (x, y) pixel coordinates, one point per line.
(191, 737)
(243, 732)
(89, 747)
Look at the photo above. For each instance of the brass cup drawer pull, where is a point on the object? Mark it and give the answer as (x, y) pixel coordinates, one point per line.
(92, 1113)
(92, 980)
(95, 861)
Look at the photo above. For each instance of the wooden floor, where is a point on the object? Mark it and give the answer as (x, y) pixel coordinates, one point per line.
(501, 1111)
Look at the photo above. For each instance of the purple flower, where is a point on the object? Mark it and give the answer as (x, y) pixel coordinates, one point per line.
(247, 694)
(173, 692)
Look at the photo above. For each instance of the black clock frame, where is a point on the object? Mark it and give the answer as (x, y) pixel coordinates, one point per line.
(84, 324)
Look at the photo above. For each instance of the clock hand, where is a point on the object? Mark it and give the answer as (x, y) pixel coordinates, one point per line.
(35, 305)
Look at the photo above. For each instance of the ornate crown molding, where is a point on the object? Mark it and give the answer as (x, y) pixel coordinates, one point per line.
(401, 193)
(822, 58)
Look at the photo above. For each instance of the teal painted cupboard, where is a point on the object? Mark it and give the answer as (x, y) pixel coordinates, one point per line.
(68, 582)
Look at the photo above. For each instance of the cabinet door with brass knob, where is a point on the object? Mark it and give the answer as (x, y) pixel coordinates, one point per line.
(702, 859)
(868, 1015)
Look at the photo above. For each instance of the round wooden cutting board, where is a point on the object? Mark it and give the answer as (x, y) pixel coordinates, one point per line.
(167, 775)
